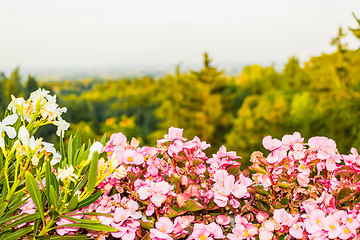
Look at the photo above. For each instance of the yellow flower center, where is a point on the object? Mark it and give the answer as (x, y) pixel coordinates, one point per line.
(332, 227)
(346, 230)
(350, 220)
(163, 229)
(246, 234)
(318, 221)
(202, 237)
(130, 159)
(302, 166)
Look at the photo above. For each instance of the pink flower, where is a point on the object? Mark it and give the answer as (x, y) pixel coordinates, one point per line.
(323, 145)
(290, 140)
(271, 144)
(175, 148)
(174, 133)
(164, 227)
(204, 232)
(261, 216)
(331, 162)
(180, 223)
(296, 230)
(223, 220)
(28, 208)
(65, 230)
(130, 156)
(121, 215)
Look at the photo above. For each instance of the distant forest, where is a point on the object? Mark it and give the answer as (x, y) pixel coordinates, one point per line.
(318, 98)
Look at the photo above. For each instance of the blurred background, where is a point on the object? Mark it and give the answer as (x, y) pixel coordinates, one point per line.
(229, 72)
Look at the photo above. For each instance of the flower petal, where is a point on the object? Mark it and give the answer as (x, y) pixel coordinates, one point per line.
(10, 120)
(10, 131)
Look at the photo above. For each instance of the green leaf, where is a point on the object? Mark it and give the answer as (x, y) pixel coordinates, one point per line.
(23, 219)
(146, 237)
(77, 140)
(234, 170)
(80, 220)
(34, 193)
(54, 197)
(146, 225)
(90, 226)
(15, 235)
(192, 205)
(62, 150)
(91, 214)
(103, 139)
(345, 192)
(73, 202)
(70, 151)
(78, 237)
(171, 213)
(54, 182)
(92, 173)
(89, 200)
(47, 180)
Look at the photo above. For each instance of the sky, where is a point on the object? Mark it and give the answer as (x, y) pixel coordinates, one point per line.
(89, 33)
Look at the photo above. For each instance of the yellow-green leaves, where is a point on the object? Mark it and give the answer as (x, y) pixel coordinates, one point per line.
(35, 194)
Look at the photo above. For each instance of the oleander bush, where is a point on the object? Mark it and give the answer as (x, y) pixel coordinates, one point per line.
(120, 190)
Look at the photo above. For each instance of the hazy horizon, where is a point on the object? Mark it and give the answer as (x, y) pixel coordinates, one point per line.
(45, 35)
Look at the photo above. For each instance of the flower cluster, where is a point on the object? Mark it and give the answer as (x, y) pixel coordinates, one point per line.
(298, 190)
(306, 190)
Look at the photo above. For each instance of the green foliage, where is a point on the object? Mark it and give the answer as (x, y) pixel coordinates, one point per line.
(318, 97)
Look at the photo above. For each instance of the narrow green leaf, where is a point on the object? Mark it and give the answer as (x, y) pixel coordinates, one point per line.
(92, 214)
(81, 183)
(78, 237)
(34, 193)
(89, 200)
(54, 182)
(73, 202)
(89, 226)
(62, 149)
(80, 155)
(47, 179)
(22, 219)
(103, 139)
(92, 173)
(70, 151)
(15, 235)
(77, 140)
(81, 220)
(54, 197)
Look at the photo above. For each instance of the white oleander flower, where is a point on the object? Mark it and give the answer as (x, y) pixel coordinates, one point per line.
(49, 147)
(15, 101)
(95, 147)
(5, 126)
(67, 173)
(62, 127)
(35, 160)
(41, 95)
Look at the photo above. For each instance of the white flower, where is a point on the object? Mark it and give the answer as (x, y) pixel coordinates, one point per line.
(40, 95)
(67, 173)
(96, 147)
(56, 158)
(49, 147)
(35, 160)
(14, 102)
(62, 127)
(5, 127)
